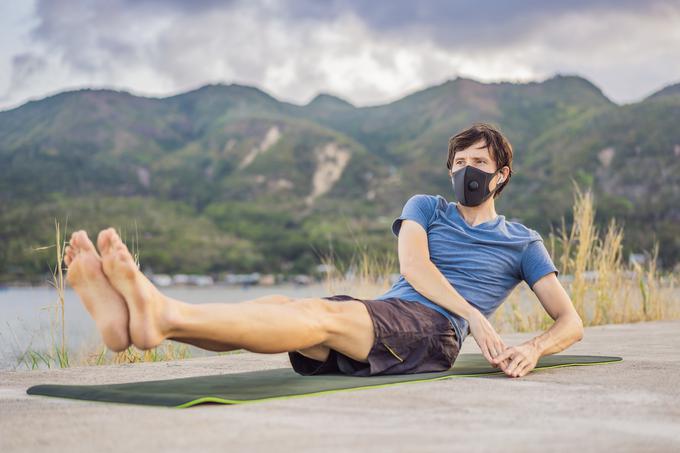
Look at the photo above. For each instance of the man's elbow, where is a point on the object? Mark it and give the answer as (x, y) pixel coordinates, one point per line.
(575, 325)
(407, 271)
(578, 335)
(407, 274)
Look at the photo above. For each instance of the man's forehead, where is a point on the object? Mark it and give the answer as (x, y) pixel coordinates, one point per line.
(479, 149)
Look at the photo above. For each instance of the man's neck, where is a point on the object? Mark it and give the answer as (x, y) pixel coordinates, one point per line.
(474, 215)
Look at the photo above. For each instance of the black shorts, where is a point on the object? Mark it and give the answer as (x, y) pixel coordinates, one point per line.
(409, 338)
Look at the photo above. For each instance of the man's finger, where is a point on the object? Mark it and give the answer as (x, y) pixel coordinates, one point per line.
(504, 355)
(518, 370)
(492, 353)
(492, 350)
(485, 351)
(515, 362)
(500, 347)
(504, 364)
(525, 369)
(498, 350)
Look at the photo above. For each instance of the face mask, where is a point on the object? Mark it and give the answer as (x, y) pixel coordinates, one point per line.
(471, 185)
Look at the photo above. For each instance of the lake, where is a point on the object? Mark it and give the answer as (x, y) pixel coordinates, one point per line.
(26, 314)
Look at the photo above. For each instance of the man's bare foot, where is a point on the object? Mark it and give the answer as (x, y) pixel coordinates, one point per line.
(101, 300)
(149, 309)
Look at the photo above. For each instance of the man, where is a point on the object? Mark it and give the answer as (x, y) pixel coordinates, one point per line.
(458, 263)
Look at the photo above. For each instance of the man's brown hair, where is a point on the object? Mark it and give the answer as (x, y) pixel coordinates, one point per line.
(499, 147)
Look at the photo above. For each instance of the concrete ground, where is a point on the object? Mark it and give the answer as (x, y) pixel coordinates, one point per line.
(628, 406)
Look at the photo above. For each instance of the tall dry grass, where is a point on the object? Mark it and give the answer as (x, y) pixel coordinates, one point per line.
(57, 354)
(366, 274)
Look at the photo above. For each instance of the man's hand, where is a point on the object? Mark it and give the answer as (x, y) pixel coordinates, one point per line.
(486, 337)
(523, 359)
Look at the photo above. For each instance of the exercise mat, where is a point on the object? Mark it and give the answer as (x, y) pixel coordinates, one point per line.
(263, 385)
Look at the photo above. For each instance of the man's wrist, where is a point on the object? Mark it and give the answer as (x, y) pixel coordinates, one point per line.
(470, 312)
(537, 344)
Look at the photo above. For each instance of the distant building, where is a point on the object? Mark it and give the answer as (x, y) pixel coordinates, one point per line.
(161, 279)
(242, 279)
(637, 258)
(267, 280)
(180, 279)
(325, 268)
(201, 280)
(302, 279)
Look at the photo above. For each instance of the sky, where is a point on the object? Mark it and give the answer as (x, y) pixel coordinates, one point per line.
(367, 52)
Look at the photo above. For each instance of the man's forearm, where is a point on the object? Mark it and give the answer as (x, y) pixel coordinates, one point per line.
(566, 331)
(431, 283)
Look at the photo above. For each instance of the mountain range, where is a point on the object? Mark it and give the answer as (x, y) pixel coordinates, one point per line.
(228, 178)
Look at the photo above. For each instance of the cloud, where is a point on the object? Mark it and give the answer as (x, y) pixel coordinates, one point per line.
(366, 52)
(25, 65)
(454, 22)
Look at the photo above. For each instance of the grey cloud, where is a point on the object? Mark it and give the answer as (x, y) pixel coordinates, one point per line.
(454, 24)
(171, 45)
(463, 22)
(24, 66)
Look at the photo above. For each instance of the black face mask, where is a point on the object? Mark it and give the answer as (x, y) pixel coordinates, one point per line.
(471, 185)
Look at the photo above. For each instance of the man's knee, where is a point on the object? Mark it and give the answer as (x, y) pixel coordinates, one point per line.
(282, 298)
(321, 311)
(345, 326)
(339, 318)
(272, 299)
(318, 352)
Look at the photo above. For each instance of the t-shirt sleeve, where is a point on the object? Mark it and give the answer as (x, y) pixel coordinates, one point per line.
(536, 262)
(419, 208)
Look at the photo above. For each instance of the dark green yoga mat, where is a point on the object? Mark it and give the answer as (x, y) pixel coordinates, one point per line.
(254, 386)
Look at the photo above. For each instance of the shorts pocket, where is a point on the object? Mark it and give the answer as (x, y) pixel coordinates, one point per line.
(403, 348)
(449, 346)
(392, 351)
(405, 352)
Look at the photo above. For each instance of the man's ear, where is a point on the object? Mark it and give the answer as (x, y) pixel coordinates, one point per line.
(504, 174)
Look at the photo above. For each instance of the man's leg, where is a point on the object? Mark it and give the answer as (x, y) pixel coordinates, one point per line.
(318, 352)
(222, 347)
(264, 328)
(311, 326)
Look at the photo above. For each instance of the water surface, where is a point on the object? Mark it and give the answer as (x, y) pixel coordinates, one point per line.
(27, 314)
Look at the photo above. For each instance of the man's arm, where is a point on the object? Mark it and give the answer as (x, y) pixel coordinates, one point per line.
(565, 331)
(568, 326)
(417, 268)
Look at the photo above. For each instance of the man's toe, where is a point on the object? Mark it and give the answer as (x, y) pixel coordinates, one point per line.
(104, 241)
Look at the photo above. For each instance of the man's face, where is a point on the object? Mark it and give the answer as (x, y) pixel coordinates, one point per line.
(476, 155)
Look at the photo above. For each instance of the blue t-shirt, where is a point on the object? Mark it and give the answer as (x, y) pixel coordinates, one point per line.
(483, 263)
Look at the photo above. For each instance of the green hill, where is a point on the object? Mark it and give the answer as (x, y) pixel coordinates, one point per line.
(226, 177)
